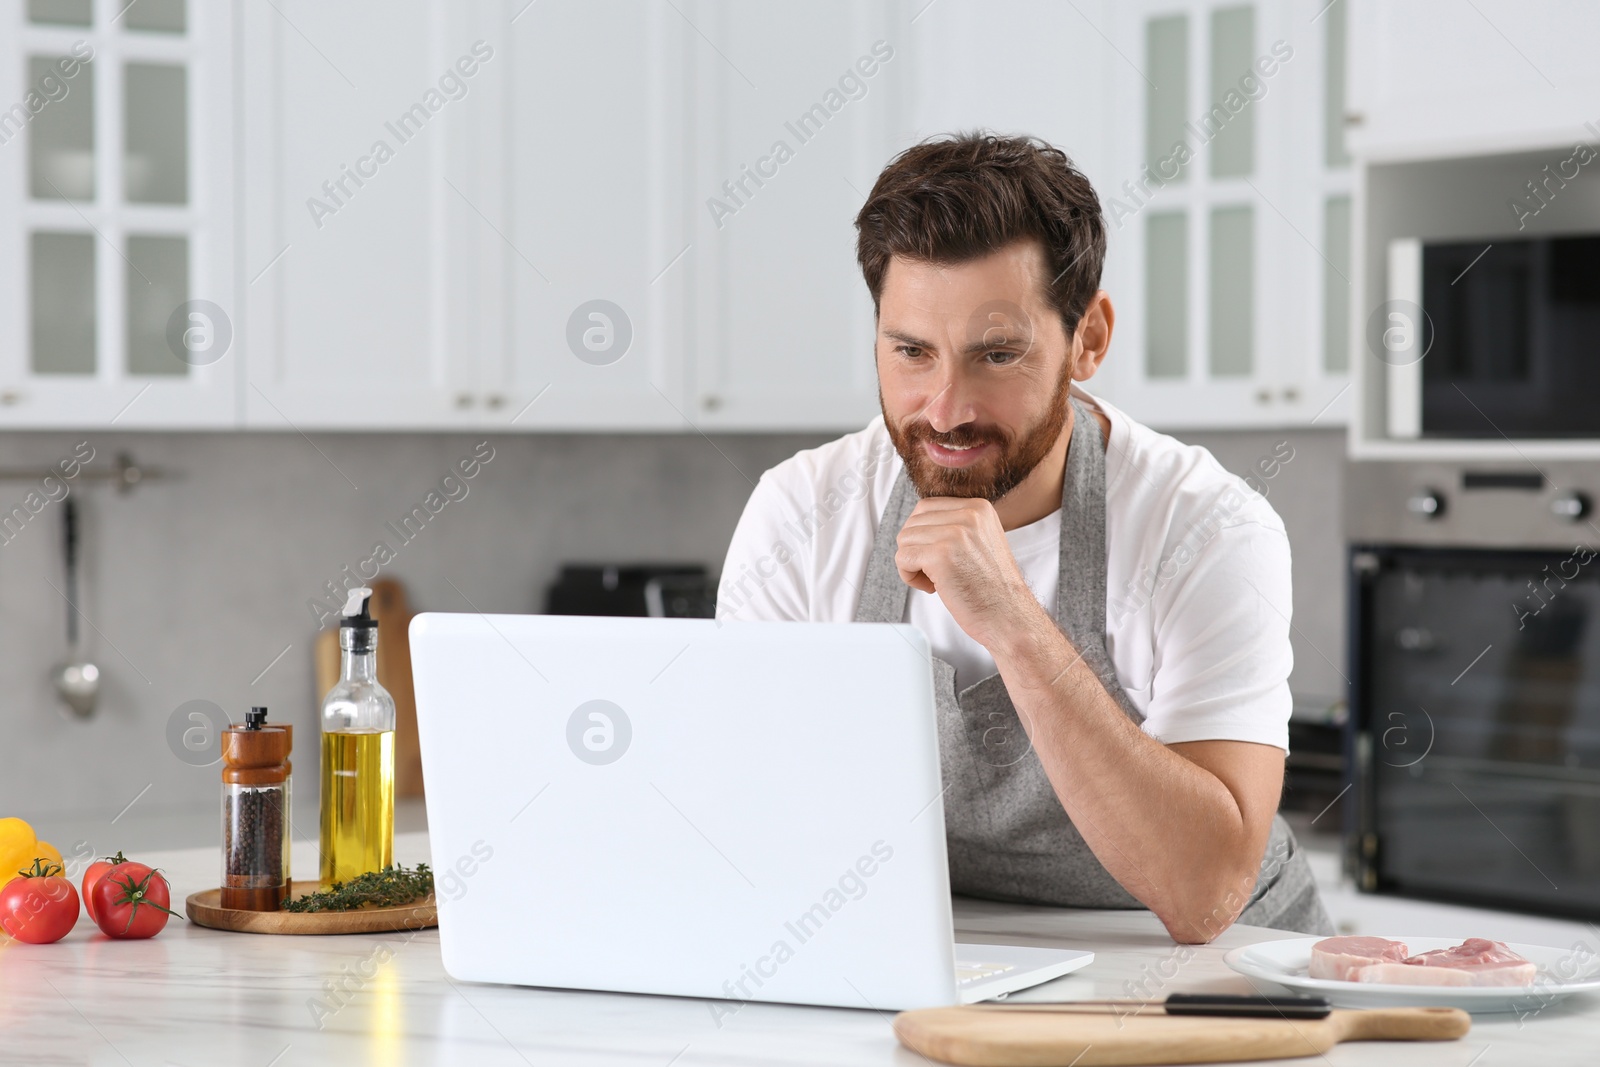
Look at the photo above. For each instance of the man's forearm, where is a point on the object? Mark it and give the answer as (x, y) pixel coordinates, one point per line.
(1167, 829)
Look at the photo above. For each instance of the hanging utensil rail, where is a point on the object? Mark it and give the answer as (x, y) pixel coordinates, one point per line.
(123, 472)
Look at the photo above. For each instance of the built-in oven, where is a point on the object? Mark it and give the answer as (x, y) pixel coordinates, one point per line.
(1474, 653)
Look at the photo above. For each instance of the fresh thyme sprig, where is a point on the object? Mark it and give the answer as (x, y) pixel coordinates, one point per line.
(390, 886)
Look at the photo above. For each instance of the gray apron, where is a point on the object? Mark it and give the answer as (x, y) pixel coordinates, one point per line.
(1007, 834)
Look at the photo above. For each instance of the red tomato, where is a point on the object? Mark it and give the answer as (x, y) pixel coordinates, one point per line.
(93, 874)
(131, 901)
(40, 906)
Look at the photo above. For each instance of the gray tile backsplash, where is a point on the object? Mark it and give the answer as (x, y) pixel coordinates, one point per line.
(1308, 492)
(192, 586)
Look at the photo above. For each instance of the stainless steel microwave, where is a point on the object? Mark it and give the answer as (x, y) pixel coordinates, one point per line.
(1496, 338)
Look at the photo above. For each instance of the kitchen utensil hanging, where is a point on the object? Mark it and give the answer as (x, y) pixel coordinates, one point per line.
(78, 679)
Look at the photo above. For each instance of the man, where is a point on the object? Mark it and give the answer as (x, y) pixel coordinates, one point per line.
(1010, 515)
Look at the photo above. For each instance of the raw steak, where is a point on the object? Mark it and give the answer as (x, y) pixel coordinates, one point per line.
(1474, 962)
(1339, 957)
(1493, 974)
(1472, 952)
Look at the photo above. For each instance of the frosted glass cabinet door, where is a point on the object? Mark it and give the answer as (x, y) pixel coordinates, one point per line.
(116, 242)
(1229, 242)
(155, 161)
(61, 146)
(62, 310)
(158, 283)
(1232, 278)
(60, 12)
(156, 16)
(1336, 285)
(1166, 296)
(1233, 49)
(1166, 109)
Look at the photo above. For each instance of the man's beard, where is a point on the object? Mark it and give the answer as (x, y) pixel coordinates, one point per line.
(991, 478)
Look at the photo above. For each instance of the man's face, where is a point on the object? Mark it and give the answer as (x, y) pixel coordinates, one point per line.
(972, 370)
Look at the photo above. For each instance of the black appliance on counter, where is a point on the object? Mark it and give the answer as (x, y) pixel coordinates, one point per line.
(662, 590)
(1474, 650)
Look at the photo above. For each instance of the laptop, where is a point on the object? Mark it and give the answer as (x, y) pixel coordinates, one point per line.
(744, 811)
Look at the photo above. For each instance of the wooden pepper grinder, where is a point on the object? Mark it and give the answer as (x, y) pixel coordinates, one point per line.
(255, 813)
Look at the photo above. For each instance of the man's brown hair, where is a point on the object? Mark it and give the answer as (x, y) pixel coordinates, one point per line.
(956, 198)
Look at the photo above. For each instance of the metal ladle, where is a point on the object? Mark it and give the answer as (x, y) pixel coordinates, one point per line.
(77, 680)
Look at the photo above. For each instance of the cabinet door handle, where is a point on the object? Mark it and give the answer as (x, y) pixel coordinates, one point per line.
(463, 400)
(1263, 396)
(495, 400)
(711, 403)
(1291, 395)
(1571, 506)
(8, 397)
(1426, 503)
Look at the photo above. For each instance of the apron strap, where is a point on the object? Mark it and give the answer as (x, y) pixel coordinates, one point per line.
(883, 594)
(1081, 583)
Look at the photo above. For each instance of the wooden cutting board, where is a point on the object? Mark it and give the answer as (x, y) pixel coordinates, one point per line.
(1000, 1037)
(393, 612)
(205, 909)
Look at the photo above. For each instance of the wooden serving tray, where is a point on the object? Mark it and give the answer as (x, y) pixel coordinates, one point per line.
(205, 909)
(1033, 1036)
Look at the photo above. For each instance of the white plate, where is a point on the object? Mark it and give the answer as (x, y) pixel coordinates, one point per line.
(1561, 971)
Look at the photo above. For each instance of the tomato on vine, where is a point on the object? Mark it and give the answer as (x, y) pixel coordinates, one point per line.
(131, 901)
(38, 905)
(93, 874)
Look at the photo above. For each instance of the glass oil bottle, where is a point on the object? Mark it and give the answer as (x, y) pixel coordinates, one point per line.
(357, 754)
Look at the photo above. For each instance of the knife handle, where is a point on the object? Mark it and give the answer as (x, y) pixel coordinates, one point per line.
(1251, 1007)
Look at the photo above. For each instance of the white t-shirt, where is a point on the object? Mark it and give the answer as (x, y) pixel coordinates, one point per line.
(1197, 590)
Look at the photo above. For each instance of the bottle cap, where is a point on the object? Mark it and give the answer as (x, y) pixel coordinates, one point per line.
(357, 613)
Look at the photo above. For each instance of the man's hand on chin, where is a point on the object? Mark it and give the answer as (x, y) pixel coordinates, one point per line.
(956, 547)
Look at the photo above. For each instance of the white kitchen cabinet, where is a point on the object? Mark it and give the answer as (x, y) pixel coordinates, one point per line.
(372, 200)
(545, 260)
(1432, 80)
(431, 196)
(524, 264)
(117, 174)
(1232, 275)
(797, 108)
(597, 256)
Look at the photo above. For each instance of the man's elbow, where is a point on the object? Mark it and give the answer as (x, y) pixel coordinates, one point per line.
(1188, 931)
(1196, 929)
(1198, 918)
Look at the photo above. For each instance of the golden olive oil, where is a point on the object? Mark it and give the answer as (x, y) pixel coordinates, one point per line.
(357, 803)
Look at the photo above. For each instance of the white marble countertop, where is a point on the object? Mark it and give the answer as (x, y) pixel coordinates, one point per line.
(193, 997)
